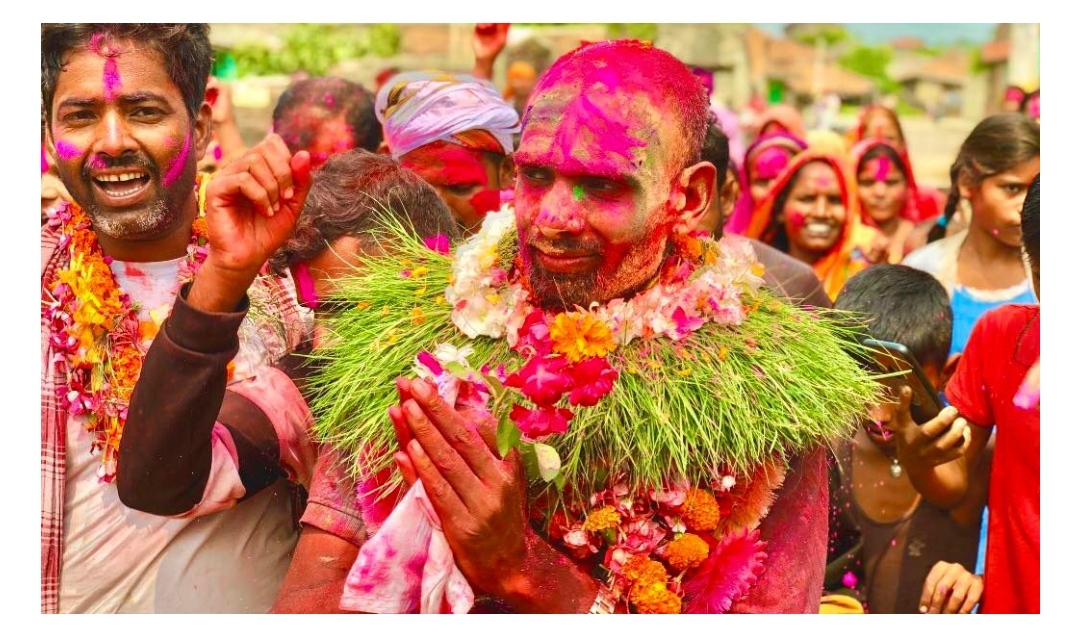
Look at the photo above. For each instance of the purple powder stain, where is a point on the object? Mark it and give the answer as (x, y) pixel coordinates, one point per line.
(97, 162)
(44, 161)
(67, 150)
(177, 167)
(111, 79)
(1027, 397)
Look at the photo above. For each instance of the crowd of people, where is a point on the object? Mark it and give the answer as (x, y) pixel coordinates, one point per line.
(579, 346)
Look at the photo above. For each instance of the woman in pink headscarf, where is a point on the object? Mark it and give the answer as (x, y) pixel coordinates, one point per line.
(886, 194)
(765, 159)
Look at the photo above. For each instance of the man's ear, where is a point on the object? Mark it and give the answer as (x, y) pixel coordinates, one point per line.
(507, 172)
(204, 127)
(697, 187)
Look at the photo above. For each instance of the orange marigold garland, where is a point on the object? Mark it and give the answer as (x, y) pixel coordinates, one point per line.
(94, 330)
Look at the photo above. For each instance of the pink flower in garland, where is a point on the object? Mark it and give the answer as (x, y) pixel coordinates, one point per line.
(537, 423)
(438, 243)
(684, 324)
(534, 337)
(542, 380)
(734, 565)
(593, 379)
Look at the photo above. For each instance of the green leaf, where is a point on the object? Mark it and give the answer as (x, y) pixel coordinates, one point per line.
(507, 435)
(547, 460)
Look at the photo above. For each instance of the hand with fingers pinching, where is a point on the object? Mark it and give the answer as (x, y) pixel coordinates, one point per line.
(950, 589)
(481, 502)
(251, 208)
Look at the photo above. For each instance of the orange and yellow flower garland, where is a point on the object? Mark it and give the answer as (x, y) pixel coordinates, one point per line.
(94, 329)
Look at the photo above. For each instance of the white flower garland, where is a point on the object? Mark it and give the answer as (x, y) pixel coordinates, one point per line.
(486, 303)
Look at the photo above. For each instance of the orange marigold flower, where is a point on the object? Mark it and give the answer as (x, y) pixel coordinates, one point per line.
(199, 227)
(653, 597)
(700, 512)
(578, 335)
(417, 316)
(687, 551)
(640, 568)
(602, 519)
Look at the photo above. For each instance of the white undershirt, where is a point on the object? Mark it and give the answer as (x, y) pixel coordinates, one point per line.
(119, 560)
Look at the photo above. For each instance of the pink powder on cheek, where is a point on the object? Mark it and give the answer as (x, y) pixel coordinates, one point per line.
(111, 79)
(178, 165)
(67, 150)
(796, 219)
(44, 161)
(485, 201)
(883, 167)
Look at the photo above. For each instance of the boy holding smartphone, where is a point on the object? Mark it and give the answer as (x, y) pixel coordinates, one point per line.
(887, 535)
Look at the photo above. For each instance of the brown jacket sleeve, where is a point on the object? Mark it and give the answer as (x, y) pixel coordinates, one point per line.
(166, 450)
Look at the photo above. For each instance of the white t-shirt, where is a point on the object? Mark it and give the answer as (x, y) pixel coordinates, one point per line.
(120, 560)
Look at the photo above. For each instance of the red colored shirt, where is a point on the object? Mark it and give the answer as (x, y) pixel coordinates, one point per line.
(1003, 346)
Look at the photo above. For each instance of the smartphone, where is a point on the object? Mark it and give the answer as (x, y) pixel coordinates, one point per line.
(894, 358)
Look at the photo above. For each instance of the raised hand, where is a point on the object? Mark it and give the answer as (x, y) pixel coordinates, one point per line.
(489, 40)
(252, 205)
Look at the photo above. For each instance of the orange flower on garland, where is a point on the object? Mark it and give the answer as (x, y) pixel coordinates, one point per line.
(602, 519)
(94, 331)
(654, 597)
(687, 551)
(641, 569)
(579, 335)
(700, 512)
(750, 499)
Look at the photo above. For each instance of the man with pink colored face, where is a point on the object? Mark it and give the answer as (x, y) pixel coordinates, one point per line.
(456, 132)
(126, 123)
(610, 175)
(326, 116)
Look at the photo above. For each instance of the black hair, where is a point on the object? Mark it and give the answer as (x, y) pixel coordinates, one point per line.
(186, 49)
(904, 305)
(717, 151)
(996, 144)
(347, 197)
(1029, 224)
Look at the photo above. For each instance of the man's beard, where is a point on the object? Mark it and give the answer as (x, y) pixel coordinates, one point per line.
(562, 291)
(566, 291)
(149, 221)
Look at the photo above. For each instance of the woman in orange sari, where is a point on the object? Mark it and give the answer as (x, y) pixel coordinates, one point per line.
(886, 194)
(809, 213)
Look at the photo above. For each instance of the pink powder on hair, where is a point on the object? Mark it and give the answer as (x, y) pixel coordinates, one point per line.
(883, 166)
(178, 164)
(67, 150)
(771, 162)
(111, 79)
(95, 42)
